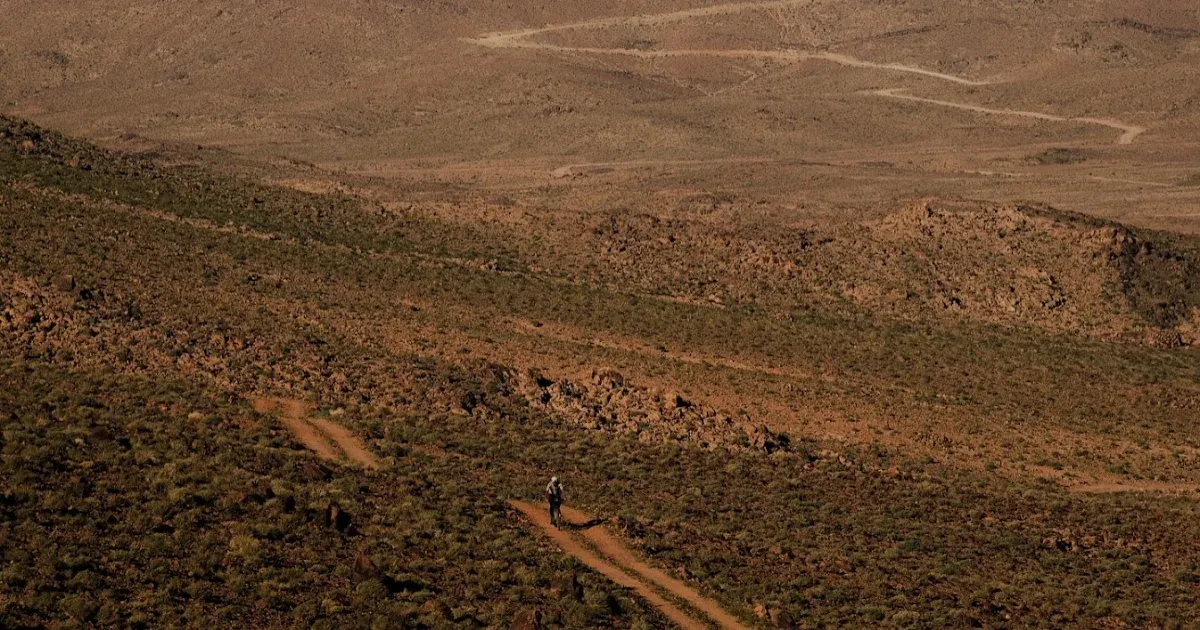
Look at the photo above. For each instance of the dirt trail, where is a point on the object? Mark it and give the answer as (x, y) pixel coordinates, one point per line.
(574, 336)
(350, 444)
(317, 434)
(595, 562)
(777, 55)
(1138, 182)
(569, 169)
(1165, 487)
(1130, 131)
(505, 39)
(614, 549)
(519, 39)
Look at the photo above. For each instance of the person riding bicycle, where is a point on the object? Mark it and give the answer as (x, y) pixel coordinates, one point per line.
(554, 496)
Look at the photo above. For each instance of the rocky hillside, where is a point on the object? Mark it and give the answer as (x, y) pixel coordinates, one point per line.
(1029, 266)
(894, 470)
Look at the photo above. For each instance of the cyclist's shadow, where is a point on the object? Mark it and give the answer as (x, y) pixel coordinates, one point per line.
(588, 525)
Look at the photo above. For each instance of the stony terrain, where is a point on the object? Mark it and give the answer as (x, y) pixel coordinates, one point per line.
(833, 314)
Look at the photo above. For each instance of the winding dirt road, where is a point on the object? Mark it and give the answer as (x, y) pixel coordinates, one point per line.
(615, 561)
(1130, 131)
(506, 39)
(788, 55)
(520, 39)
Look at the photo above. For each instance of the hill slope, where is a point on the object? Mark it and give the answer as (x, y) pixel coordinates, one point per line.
(144, 302)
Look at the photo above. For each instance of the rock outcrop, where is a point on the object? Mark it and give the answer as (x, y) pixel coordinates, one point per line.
(607, 402)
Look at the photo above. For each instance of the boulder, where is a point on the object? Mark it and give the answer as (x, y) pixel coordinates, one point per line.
(312, 471)
(674, 401)
(65, 283)
(528, 619)
(364, 567)
(782, 619)
(334, 516)
(571, 587)
(436, 609)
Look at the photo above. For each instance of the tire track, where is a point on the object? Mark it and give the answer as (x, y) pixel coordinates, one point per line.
(351, 445)
(614, 560)
(317, 434)
(568, 544)
(569, 169)
(614, 549)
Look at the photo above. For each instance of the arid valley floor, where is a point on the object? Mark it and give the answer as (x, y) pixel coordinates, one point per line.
(871, 313)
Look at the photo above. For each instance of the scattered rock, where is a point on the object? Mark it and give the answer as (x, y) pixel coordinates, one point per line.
(364, 567)
(782, 618)
(99, 434)
(334, 516)
(436, 609)
(675, 401)
(608, 378)
(312, 471)
(529, 619)
(570, 587)
(1164, 338)
(609, 402)
(65, 283)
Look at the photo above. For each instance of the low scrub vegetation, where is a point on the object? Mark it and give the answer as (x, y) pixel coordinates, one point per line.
(128, 502)
(141, 305)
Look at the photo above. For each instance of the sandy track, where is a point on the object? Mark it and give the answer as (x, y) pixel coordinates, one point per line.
(572, 546)
(351, 445)
(606, 544)
(311, 438)
(1129, 131)
(327, 439)
(610, 549)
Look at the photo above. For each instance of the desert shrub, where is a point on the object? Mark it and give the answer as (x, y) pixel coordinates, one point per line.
(91, 539)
